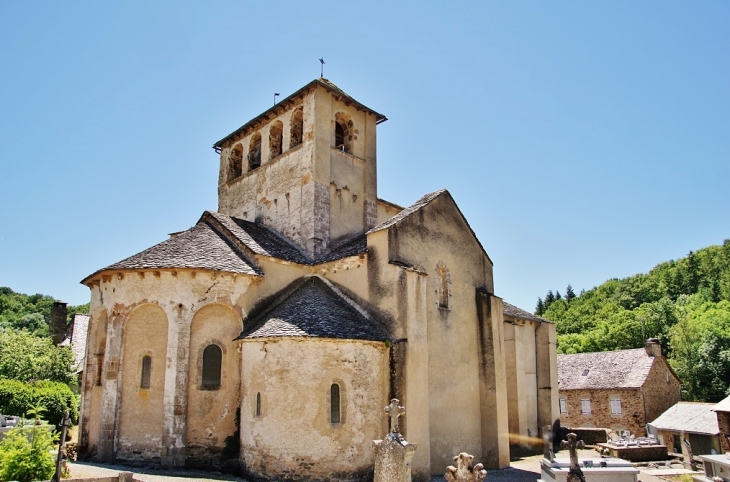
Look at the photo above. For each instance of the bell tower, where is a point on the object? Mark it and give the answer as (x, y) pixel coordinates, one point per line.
(306, 168)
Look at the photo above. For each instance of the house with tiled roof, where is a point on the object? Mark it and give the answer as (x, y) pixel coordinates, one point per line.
(692, 423)
(294, 312)
(618, 390)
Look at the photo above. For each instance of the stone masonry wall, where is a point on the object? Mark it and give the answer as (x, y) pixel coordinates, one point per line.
(661, 389)
(723, 421)
(632, 408)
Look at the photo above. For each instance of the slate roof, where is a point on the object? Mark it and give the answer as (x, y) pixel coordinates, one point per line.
(259, 239)
(607, 369)
(320, 81)
(427, 198)
(689, 417)
(77, 339)
(722, 405)
(200, 247)
(513, 311)
(312, 309)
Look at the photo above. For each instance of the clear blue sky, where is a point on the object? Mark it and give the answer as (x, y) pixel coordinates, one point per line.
(582, 140)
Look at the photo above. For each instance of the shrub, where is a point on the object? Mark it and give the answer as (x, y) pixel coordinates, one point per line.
(25, 454)
(18, 398)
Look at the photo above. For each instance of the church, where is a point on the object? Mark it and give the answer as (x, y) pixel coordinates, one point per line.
(281, 325)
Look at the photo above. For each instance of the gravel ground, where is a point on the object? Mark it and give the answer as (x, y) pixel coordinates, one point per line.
(523, 469)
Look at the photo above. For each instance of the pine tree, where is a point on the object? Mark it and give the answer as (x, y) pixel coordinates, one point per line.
(557, 295)
(569, 294)
(540, 308)
(549, 298)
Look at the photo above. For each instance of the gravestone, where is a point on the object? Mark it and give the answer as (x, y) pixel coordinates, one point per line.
(393, 454)
(465, 472)
(575, 474)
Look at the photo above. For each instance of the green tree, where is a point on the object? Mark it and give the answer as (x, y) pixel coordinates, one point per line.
(569, 294)
(540, 308)
(25, 452)
(28, 358)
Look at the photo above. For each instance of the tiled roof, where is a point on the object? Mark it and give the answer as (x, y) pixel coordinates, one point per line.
(513, 311)
(311, 308)
(77, 340)
(259, 239)
(356, 245)
(606, 369)
(201, 247)
(320, 81)
(689, 417)
(722, 405)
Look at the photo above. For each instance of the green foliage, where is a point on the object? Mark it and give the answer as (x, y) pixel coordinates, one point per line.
(28, 358)
(18, 398)
(685, 303)
(25, 452)
(30, 312)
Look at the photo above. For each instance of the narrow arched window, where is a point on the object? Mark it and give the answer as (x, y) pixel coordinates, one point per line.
(443, 287)
(276, 133)
(296, 129)
(258, 404)
(339, 137)
(146, 372)
(335, 403)
(235, 162)
(254, 151)
(212, 356)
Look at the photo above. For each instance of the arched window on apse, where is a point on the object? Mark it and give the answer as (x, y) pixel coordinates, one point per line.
(212, 357)
(254, 152)
(335, 403)
(443, 285)
(276, 136)
(296, 129)
(235, 162)
(146, 371)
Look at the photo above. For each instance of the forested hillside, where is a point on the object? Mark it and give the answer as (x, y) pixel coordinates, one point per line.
(33, 371)
(683, 303)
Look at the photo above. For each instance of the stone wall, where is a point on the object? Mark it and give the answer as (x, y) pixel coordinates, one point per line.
(286, 429)
(662, 389)
(723, 422)
(632, 408)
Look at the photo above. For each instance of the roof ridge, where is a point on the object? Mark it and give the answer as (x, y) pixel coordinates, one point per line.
(423, 201)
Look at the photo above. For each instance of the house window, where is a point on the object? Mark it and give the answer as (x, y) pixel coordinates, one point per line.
(615, 406)
(254, 152)
(212, 357)
(146, 371)
(335, 403)
(297, 128)
(585, 406)
(258, 404)
(563, 406)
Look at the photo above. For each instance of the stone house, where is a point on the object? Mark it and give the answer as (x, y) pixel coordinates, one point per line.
(722, 411)
(618, 390)
(304, 304)
(693, 422)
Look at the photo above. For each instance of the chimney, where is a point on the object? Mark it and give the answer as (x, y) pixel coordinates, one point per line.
(653, 347)
(59, 313)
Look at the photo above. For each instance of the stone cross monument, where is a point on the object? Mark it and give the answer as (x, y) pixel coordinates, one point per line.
(465, 472)
(393, 454)
(575, 474)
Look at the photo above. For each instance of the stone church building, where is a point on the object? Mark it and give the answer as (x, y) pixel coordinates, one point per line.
(305, 303)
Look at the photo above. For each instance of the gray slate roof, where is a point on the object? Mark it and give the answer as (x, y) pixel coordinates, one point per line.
(514, 312)
(200, 247)
(77, 340)
(427, 198)
(311, 309)
(607, 369)
(723, 405)
(689, 417)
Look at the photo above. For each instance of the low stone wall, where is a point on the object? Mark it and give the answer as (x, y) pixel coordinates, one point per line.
(646, 453)
(123, 477)
(589, 436)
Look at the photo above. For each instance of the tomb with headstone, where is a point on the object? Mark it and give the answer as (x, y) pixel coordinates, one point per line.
(393, 454)
(573, 469)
